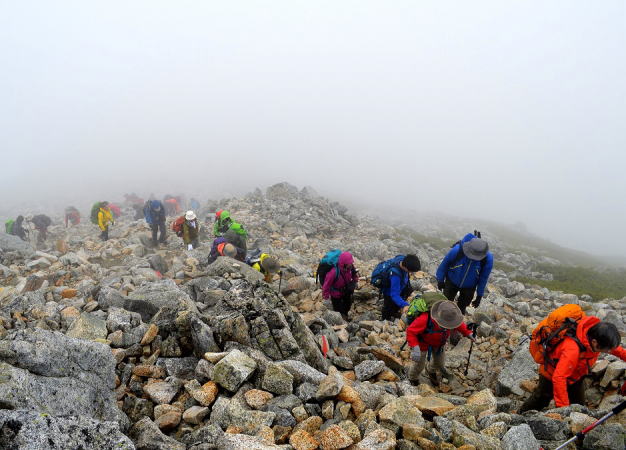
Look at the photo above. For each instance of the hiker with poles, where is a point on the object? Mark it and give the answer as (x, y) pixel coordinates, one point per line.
(566, 345)
(427, 336)
(465, 270)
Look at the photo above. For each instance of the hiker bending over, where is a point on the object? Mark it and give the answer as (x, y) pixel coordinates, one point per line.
(41, 223)
(265, 263)
(105, 219)
(16, 228)
(221, 247)
(427, 336)
(465, 269)
(565, 365)
(71, 216)
(154, 213)
(190, 230)
(340, 283)
(398, 289)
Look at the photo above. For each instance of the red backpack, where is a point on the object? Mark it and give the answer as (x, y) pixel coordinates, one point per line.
(177, 226)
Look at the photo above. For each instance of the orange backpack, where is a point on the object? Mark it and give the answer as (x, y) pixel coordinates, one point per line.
(177, 226)
(560, 323)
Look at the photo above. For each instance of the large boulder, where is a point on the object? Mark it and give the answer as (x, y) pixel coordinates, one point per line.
(521, 367)
(520, 437)
(22, 430)
(52, 373)
(232, 370)
(10, 243)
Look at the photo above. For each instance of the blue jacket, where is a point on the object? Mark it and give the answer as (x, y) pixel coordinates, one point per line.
(465, 273)
(398, 281)
(152, 216)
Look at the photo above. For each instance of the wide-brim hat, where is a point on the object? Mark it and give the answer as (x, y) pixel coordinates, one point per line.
(446, 314)
(230, 250)
(476, 249)
(190, 215)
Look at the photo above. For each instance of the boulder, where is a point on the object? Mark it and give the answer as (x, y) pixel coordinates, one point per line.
(521, 367)
(147, 436)
(88, 326)
(520, 437)
(232, 370)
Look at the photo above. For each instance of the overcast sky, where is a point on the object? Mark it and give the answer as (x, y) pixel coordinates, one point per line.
(503, 110)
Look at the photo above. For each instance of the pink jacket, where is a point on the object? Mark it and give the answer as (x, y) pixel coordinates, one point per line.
(335, 288)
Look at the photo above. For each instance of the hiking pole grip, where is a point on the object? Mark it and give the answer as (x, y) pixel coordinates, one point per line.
(619, 408)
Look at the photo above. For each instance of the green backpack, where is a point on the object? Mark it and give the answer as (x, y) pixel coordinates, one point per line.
(8, 226)
(239, 229)
(95, 209)
(422, 303)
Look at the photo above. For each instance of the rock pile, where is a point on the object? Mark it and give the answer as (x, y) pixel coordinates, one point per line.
(121, 345)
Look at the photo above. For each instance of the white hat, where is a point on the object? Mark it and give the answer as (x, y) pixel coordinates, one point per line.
(190, 215)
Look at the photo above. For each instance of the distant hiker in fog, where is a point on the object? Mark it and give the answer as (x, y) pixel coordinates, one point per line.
(171, 204)
(105, 220)
(190, 230)
(154, 213)
(194, 204)
(72, 215)
(465, 269)
(16, 228)
(41, 223)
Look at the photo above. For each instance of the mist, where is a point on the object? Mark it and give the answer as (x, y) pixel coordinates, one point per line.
(507, 111)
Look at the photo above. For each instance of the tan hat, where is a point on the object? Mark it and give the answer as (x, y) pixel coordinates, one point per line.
(190, 215)
(230, 250)
(446, 314)
(270, 264)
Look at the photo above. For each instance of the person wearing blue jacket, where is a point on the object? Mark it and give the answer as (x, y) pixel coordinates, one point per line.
(154, 213)
(399, 286)
(466, 269)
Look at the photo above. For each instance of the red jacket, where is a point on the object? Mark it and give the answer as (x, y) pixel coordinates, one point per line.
(437, 337)
(573, 362)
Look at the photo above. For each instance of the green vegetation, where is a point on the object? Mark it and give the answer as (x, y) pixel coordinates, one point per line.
(504, 267)
(583, 280)
(433, 241)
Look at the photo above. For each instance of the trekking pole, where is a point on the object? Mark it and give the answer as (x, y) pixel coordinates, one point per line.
(280, 280)
(473, 327)
(581, 434)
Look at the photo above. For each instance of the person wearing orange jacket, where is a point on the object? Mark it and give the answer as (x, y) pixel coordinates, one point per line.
(564, 382)
(427, 336)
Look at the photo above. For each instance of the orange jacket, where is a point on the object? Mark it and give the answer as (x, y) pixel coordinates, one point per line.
(573, 362)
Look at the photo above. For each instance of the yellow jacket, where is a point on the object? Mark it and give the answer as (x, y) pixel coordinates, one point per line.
(104, 218)
(257, 266)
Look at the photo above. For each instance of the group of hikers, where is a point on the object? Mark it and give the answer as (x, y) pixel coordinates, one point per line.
(565, 345)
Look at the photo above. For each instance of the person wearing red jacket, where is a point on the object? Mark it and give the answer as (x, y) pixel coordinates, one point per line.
(427, 336)
(575, 356)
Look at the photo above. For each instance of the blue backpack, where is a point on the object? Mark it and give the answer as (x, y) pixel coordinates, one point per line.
(383, 270)
(327, 263)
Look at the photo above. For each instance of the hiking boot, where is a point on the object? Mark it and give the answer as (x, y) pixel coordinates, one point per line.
(447, 374)
(434, 378)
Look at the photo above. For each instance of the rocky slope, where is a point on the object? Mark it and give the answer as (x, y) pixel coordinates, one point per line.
(120, 345)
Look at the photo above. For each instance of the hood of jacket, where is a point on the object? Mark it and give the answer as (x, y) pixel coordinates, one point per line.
(583, 327)
(345, 259)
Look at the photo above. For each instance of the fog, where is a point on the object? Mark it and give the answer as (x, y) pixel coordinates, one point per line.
(508, 111)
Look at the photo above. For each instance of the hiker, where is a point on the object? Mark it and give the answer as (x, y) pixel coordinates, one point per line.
(190, 230)
(172, 206)
(194, 204)
(465, 269)
(154, 213)
(398, 287)
(265, 263)
(115, 210)
(222, 222)
(566, 363)
(238, 236)
(105, 219)
(41, 223)
(71, 216)
(16, 228)
(221, 247)
(427, 336)
(340, 283)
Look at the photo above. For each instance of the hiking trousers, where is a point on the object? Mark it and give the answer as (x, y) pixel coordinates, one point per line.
(438, 363)
(465, 294)
(542, 395)
(390, 309)
(342, 304)
(155, 227)
(105, 234)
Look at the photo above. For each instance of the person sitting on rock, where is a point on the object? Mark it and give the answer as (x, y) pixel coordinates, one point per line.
(154, 213)
(265, 263)
(190, 230)
(19, 230)
(399, 287)
(465, 269)
(41, 223)
(72, 215)
(573, 358)
(105, 220)
(339, 285)
(427, 336)
(221, 247)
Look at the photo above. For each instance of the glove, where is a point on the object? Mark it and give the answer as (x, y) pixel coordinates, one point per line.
(476, 302)
(441, 285)
(189, 247)
(416, 353)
